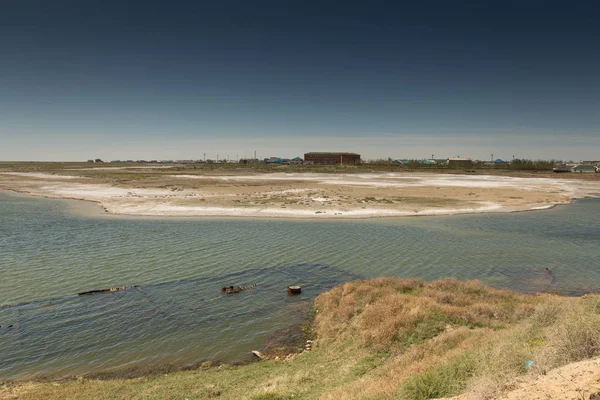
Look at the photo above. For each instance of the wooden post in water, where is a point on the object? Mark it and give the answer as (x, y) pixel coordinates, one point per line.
(294, 290)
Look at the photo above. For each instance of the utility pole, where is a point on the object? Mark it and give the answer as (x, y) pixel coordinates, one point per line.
(205, 157)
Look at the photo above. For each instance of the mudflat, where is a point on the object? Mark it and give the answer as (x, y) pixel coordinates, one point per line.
(294, 193)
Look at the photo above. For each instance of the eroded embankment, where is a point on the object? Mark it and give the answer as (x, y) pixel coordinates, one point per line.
(392, 338)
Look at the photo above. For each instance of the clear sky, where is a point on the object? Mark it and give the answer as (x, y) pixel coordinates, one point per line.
(174, 79)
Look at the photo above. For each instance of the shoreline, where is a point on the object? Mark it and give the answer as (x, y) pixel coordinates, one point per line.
(362, 363)
(293, 348)
(136, 372)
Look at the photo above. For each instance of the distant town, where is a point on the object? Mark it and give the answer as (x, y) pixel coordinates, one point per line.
(346, 158)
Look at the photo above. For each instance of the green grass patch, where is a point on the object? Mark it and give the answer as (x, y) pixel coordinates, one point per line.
(369, 363)
(446, 380)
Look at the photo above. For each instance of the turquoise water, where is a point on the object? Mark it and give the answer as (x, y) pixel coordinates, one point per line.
(179, 316)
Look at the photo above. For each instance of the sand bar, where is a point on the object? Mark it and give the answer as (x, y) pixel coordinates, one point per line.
(302, 195)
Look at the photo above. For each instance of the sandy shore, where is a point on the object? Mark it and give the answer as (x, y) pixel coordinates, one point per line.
(577, 380)
(299, 195)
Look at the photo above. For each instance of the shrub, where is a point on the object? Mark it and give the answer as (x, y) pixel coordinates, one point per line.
(576, 337)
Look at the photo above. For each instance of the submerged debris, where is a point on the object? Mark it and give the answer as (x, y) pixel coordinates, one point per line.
(232, 289)
(237, 289)
(113, 289)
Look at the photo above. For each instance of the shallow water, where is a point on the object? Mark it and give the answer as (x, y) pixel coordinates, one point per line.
(178, 315)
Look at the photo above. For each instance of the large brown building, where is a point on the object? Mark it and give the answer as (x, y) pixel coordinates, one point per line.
(333, 158)
(460, 162)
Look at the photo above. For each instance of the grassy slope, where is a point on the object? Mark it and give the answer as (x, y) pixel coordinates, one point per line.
(387, 338)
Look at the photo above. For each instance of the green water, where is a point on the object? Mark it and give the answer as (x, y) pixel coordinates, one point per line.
(178, 315)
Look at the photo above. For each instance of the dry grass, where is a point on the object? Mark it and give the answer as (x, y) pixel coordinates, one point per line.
(448, 336)
(390, 338)
(387, 313)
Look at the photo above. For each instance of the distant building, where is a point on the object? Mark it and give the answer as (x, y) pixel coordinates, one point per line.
(332, 158)
(585, 168)
(562, 168)
(296, 161)
(460, 162)
(249, 161)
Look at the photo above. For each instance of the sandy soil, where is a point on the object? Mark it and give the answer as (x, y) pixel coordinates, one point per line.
(576, 381)
(298, 195)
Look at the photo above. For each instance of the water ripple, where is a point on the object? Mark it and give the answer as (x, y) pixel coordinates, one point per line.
(182, 317)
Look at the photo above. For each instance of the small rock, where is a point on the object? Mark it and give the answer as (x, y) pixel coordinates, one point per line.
(595, 396)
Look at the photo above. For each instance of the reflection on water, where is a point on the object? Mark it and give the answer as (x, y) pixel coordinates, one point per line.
(179, 316)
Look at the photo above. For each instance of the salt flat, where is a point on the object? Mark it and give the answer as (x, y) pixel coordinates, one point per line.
(300, 195)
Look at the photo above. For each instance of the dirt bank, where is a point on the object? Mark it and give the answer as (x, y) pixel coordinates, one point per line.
(575, 381)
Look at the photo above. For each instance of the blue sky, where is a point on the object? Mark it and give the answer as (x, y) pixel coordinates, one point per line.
(174, 80)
